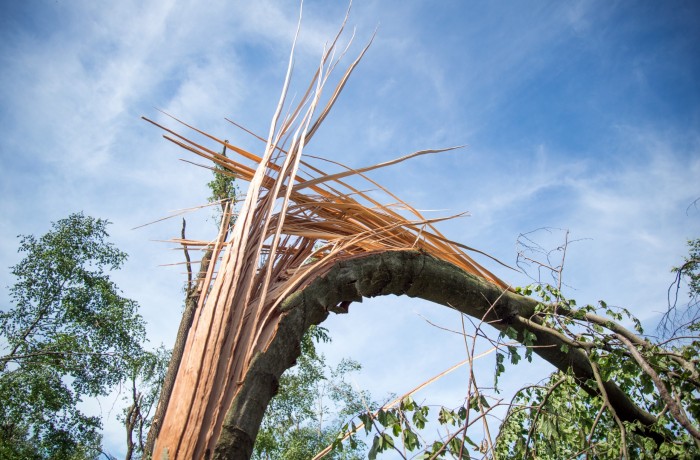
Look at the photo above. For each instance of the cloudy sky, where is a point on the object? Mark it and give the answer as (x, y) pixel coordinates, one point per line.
(581, 115)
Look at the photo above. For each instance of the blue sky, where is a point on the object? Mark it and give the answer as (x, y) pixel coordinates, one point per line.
(578, 115)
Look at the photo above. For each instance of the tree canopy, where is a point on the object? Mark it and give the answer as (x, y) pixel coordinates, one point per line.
(69, 334)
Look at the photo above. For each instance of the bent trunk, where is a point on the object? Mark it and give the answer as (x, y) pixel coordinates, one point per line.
(410, 273)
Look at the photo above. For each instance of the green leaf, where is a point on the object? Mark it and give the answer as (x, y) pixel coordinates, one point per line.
(484, 403)
(366, 419)
(446, 417)
(500, 368)
(408, 404)
(385, 442)
(382, 417)
(410, 440)
(470, 442)
(372, 454)
(419, 419)
(514, 355)
(462, 413)
(456, 446)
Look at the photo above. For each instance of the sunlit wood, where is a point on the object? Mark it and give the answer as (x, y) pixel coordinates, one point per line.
(288, 231)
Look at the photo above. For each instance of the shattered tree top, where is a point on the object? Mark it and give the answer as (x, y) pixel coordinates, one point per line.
(296, 222)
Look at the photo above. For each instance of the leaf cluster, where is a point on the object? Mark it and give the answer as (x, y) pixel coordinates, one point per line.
(223, 189)
(399, 428)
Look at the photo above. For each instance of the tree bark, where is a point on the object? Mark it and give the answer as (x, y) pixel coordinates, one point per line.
(410, 273)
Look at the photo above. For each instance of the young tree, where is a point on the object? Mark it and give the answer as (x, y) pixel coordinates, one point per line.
(147, 373)
(68, 334)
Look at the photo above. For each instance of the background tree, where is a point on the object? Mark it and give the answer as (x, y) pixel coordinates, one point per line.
(69, 334)
(147, 372)
(223, 190)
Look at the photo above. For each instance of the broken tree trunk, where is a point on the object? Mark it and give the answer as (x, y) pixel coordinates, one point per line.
(304, 246)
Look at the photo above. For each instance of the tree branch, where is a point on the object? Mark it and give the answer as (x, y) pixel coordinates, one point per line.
(675, 409)
(410, 273)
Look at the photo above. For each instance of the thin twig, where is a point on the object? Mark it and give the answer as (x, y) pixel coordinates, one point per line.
(604, 395)
(539, 410)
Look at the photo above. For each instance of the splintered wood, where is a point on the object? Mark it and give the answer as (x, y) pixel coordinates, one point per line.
(288, 231)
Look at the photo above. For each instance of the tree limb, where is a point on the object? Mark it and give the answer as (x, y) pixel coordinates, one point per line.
(673, 406)
(410, 273)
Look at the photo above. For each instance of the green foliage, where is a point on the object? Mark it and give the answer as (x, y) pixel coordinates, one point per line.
(310, 408)
(223, 188)
(691, 268)
(40, 419)
(400, 429)
(68, 334)
(560, 419)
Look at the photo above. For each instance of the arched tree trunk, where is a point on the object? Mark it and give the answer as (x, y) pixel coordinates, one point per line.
(245, 338)
(410, 273)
